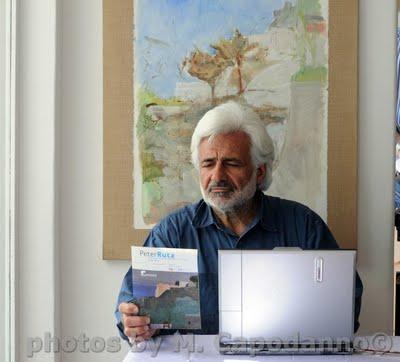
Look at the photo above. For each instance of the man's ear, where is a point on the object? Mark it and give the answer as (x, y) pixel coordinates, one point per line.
(261, 171)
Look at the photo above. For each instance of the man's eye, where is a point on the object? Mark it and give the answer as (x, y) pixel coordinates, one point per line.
(206, 164)
(233, 164)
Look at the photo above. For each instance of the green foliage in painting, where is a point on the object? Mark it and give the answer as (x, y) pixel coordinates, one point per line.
(146, 97)
(146, 127)
(306, 7)
(144, 122)
(151, 168)
(311, 25)
(310, 74)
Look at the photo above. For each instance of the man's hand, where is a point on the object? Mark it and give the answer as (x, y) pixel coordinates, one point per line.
(137, 328)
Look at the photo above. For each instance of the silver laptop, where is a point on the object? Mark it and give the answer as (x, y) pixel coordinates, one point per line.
(286, 301)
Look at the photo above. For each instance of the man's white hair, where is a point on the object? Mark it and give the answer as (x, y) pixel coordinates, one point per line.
(230, 117)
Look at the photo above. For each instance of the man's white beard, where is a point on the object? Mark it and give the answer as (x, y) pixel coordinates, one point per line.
(237, 200)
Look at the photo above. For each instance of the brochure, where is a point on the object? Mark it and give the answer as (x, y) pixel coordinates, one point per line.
(166, 286)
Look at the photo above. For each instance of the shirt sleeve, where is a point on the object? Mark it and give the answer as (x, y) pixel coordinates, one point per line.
(160, 237)
(320, 237)
(125, 295)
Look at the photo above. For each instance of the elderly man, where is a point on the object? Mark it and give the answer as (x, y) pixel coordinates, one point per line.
(233, 154)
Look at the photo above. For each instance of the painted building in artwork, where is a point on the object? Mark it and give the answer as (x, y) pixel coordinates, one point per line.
(280, 42)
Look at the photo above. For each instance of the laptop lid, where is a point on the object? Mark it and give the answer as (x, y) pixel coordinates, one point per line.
(286, 295)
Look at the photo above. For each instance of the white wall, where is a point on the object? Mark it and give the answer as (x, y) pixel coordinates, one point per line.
(37, 272)
(65, 181)
(377, 24)
(89, 285)
(2, 175)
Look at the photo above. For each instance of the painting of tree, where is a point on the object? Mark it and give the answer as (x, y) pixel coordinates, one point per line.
(205, 67)
(234, 51)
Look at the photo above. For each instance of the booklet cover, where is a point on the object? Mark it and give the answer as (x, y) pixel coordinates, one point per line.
(166, 286)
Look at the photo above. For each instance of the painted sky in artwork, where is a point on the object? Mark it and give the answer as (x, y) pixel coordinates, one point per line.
(166, 31)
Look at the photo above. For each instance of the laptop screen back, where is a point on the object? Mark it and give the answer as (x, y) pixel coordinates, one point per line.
(285, 294)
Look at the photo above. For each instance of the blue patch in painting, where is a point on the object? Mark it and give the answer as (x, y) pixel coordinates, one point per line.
(144, 290)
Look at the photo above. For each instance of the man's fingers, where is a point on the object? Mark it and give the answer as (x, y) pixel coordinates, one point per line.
(136, 331)
(135, 326)
(128, 308)
(145, 336)
(135, 321)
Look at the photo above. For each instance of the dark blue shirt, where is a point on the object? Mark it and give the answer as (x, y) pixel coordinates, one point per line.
(278, 223)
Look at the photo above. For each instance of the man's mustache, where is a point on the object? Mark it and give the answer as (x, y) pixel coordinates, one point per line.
(220, 184)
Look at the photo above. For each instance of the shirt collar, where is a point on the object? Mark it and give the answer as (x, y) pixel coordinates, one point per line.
(203, 215)
(266, 215)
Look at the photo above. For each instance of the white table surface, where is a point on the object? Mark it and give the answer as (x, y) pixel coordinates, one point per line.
(165, 349)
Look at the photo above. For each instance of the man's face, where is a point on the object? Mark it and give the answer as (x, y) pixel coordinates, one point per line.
(227, 176)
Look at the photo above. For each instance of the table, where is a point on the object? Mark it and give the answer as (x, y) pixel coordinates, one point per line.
(205, 348)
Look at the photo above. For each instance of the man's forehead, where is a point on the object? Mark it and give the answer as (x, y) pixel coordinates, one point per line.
(233, 144)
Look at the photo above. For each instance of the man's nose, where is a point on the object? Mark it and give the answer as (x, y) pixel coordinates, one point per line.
(219, 173)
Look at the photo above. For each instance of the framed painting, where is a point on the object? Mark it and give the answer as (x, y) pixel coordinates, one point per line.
(166, 63)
